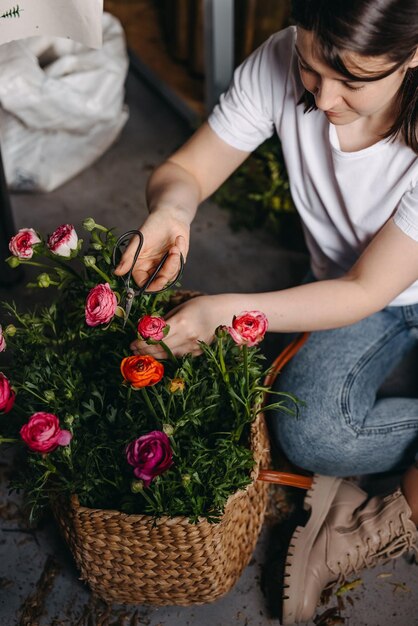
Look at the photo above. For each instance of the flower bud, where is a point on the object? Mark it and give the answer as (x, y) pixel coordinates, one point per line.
(168, 430)
(10, 330)
(13, 262)
(68, 394)
(120, 311)
(185, 479)
(176, 384)
(89, 261)
(44, 280)
(97, 246)
(49, 395)
(221, 331)
(89, 224)
(69, 420)
(137, 486)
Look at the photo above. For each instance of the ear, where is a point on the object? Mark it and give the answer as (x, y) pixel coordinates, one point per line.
(414, 61)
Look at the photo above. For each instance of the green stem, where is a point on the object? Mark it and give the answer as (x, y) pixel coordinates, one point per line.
(225, 374)
(5, 440)
(147, 498)
(101, 273)
(246, 371)
(168, 352)
(34, 394)
(65, 266)
(149, 403)
(34, 263)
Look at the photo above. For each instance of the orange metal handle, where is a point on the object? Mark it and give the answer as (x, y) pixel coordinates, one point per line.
(285, 478)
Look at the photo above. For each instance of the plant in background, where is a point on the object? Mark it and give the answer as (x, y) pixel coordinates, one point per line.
(258, 194)
(121, 431)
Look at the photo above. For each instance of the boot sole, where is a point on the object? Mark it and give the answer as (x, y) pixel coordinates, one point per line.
(318, 499)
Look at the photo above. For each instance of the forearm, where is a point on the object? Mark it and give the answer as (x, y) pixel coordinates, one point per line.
(172, 188)
(314, 306)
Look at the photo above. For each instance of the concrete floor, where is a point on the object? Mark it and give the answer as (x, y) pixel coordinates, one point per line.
(37, 575)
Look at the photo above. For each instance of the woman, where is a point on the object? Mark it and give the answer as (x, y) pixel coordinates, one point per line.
(340, 90)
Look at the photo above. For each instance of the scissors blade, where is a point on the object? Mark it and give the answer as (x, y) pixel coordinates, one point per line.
(129, 298)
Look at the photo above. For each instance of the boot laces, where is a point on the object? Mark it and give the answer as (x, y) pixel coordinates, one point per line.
(401, 539)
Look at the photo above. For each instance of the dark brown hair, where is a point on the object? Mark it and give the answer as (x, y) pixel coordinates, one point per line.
(371, 28)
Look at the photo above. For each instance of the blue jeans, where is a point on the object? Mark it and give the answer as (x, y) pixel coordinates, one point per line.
(343, 428)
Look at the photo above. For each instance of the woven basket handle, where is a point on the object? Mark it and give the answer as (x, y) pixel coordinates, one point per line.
(272, 476)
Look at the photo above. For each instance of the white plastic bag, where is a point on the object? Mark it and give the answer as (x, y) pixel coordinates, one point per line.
(61, 106)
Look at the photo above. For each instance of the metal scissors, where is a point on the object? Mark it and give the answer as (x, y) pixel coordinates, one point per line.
(131, 292)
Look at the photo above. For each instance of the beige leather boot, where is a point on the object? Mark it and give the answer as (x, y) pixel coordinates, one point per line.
(345, 532)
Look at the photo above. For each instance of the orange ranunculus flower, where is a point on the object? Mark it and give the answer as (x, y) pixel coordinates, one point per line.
(142, 371)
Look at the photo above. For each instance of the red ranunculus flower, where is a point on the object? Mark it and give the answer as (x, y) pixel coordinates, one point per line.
(63, 240)
(21, 245)
(42, 433)
(101, 305)
(150, 327)
(142, 370)
(7, 395)
(248, 328)
(150, 455)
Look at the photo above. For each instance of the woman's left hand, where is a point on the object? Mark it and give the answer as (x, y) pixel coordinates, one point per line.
(193, 321)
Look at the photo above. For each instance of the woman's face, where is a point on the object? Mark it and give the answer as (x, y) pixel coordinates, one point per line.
(342, 100)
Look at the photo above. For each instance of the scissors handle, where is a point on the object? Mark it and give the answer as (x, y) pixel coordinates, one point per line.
(145, 286)
(143, 289)
(122, 239)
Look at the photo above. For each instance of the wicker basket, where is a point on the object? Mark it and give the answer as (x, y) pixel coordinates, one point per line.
(131, 559)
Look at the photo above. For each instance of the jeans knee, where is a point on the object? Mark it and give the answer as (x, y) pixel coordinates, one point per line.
(323, 450)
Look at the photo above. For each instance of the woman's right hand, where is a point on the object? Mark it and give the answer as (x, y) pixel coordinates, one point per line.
(163, 232)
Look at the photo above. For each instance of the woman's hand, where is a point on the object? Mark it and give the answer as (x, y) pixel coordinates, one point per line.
(163, 233)
(194, 320)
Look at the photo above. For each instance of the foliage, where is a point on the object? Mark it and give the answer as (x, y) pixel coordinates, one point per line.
(258, 194)
(62, 366)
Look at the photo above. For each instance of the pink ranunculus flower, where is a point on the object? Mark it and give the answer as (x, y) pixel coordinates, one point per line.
(42, 433)
(150, 455)
(248, 328)
(150, 327)
(7, 395)
(63, 240)
(3, 344)
(21, 245)
(101, 305)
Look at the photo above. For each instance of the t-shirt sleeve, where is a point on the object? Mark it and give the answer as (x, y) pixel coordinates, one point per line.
(246, 113)
(406, 215)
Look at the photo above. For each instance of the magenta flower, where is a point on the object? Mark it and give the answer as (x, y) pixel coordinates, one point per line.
(42, 433)
(150, 327)
(63, 240)
(7, 395)
(101, 305)
(3, 344)
(248, 328)
(21, 245)
(150, 455)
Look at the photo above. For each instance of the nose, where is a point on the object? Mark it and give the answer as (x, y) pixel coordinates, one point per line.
(327, 94)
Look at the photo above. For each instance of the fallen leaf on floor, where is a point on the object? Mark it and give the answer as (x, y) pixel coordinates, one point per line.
(400, 587)
(349, 586)
(384, 575)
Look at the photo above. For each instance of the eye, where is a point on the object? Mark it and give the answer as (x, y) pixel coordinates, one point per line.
(352, 88)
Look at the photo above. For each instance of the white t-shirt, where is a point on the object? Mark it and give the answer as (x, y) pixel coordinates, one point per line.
(343, 198)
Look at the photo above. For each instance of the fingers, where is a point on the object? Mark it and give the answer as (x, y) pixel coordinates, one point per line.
(148, 262)
(126, 261)
(139, 347)
(166, 274)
